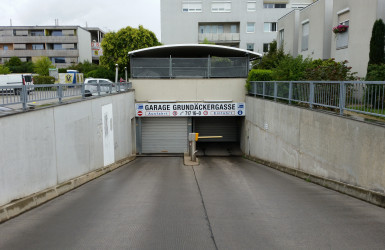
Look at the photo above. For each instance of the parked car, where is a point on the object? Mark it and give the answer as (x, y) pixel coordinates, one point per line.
(91, 86)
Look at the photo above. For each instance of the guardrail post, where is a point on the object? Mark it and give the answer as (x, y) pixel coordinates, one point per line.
(311, 94)
(110, 87)
(254, 88)
(290, 91)
(170, 68)
(23, 96)
(60, 93)
(342, 97)
(263, 89)
(98, 88)
(208, 67)
(83, 90)
(275, 91)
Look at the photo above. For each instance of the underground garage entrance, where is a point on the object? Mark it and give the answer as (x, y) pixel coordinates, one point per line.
(169, 134)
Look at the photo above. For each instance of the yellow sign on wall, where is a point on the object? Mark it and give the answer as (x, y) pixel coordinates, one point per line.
(69, 78)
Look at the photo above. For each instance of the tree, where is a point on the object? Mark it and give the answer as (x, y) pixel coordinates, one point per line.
(272, 58)
(42, 66)
(377, 53)
(4, 70)
(116, 45)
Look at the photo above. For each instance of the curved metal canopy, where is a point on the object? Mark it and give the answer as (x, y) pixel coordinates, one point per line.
(194, 51)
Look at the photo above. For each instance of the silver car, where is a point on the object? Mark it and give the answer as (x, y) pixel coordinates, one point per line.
(91, 86)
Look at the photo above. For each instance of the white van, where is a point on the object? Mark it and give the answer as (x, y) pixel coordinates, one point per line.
(15, 80)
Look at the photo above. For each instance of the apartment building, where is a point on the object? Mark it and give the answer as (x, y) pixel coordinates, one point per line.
(309, 31)
(245, 24)
(64, 45)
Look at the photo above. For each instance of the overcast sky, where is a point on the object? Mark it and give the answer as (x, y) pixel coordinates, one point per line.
(109, 15)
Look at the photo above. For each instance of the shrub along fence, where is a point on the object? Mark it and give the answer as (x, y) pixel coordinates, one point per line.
(356, 96)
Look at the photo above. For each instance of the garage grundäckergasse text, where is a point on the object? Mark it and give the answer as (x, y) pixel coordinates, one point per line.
(184, 107)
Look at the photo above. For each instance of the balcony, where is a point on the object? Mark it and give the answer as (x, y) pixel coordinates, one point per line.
(34, 53)
(220, 37)
(39, 39)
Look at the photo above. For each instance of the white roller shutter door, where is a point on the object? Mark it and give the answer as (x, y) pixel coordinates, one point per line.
(164, 135)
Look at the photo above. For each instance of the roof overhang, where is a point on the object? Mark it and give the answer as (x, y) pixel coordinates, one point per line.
(194, 51)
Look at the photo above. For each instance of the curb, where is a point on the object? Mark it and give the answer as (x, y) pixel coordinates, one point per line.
(15, 208)
(372, 197)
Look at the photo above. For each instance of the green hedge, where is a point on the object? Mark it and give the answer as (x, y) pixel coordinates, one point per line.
(259, 75)
(43, 80)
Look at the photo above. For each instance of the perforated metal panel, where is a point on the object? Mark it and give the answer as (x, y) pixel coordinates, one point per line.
(217, 126)
(164, 135)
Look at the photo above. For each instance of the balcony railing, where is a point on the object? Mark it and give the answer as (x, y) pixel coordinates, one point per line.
(39, 39)
(33, 53)
(222, 37)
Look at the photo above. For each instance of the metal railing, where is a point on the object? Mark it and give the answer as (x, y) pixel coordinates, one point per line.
(210, 67)
(355, 96)
(26, 95)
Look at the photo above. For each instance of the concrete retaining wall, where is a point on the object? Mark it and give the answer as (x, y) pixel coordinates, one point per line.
(45, 148)
(321, 145)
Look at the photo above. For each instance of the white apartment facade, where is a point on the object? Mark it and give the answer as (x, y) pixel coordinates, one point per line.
(245, 24)
(64, 45)
(309, 32)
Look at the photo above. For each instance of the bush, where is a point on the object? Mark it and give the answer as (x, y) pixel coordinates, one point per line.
(291, 69)
(258, 75)
(4, 70)
(376, 72)
(43, 80)
(101, 72)
(329, 70)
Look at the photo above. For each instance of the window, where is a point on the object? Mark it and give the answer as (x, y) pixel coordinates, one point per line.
(57, 46)
(5, 47)
(56, 33)
(305, 36)
(270, 27)
(250, 46)
(266, 47)
(250, 27)
(219, 6)
(214, 29)
(233, 29)
(251, 6)
(20, 32)
(37, 33)
(342, 39)
(19, 46)
(192, 6)
(274, 5)
(37, 46)
(58, 59)
(281, 37)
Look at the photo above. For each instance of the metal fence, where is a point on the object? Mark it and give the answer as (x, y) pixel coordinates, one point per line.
(28, 95)
(355, 96)
(211, 67)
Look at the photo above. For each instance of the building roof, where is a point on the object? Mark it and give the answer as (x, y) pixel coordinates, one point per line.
(194, 51)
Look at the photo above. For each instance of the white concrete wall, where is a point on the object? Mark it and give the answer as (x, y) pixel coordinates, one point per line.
(363, 14)
(44, 148)
(189, 89)
(290, 26)
(321, 144)
(84, 45)
(318, 15)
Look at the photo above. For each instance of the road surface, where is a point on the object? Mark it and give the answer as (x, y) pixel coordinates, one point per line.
(225, 203)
